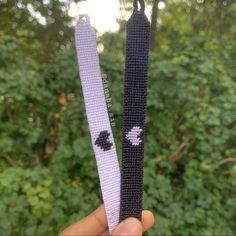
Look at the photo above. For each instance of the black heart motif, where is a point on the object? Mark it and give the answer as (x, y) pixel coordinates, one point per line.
(103, 142)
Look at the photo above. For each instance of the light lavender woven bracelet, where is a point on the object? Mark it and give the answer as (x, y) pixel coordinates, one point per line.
(98, 119)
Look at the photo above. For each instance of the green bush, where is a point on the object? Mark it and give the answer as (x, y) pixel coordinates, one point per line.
(189, 174)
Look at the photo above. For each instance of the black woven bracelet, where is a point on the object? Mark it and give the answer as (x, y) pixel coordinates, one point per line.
(137, 47)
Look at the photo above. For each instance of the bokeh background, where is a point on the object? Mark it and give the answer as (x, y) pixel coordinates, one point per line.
(48, 175)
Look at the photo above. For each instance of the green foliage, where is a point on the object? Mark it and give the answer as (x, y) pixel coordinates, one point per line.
(40, 34)
(47, 164)
(48, 176)
(41, 201)
(192, 120)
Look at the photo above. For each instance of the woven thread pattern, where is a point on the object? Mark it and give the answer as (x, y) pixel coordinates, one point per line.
(137, 47)
(98, 119)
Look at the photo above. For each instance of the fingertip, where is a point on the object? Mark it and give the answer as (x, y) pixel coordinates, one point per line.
(147, 220)
(130, 226)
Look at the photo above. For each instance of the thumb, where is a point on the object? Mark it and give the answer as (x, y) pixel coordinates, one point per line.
(128, 227)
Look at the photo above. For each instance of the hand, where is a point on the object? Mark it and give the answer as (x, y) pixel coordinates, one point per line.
(96, 224)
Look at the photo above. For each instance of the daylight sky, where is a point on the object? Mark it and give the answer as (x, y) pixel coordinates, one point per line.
(102, 13)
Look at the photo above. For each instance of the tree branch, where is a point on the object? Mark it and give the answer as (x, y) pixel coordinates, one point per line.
(9, 160)
(180, 151)
(227, 160)
(154, 25)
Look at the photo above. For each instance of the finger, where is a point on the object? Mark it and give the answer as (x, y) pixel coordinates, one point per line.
(106, 233)
(132, 226)
(147, 220)
(93, 224)
(96, 223)
(129, 226)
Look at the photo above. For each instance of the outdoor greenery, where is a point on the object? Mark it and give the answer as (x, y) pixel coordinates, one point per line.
(48, 175)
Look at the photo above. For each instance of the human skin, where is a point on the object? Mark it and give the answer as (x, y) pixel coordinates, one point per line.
(96, 224)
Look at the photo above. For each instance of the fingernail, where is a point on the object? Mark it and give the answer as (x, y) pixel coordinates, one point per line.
(129, 227)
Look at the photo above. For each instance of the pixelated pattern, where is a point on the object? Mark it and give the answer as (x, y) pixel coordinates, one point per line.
(134, 135)
(103, 141)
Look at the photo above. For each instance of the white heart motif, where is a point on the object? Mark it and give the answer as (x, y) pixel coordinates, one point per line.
(133, 135)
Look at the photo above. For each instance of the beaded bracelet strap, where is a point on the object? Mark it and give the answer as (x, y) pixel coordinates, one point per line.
(137, 48)
(98, 119)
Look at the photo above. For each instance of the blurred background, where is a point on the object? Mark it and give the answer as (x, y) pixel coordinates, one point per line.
(48, 176)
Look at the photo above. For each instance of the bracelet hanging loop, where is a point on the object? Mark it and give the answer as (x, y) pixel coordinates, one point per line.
(84, 18)
(141, 3)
